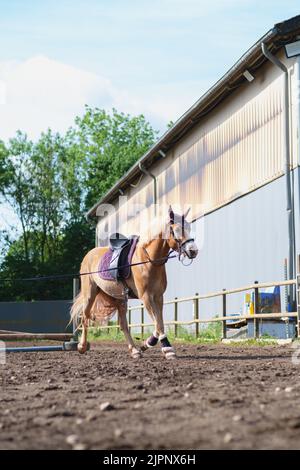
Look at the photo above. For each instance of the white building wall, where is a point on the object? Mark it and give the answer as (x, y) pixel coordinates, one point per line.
(243, 242)
(232, 164)
(235, 149)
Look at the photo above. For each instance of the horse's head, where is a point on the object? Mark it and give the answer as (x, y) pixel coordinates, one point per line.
(178, 235)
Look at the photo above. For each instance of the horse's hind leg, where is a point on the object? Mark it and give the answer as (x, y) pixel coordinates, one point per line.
(122, 310)
(89, 291)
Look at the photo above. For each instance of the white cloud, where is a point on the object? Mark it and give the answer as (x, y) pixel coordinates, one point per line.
(39, 93)
(42, 93)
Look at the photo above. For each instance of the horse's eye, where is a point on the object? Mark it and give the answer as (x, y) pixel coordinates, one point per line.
(178, 230)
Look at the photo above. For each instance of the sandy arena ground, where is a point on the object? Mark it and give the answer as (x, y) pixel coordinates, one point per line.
(211, 397)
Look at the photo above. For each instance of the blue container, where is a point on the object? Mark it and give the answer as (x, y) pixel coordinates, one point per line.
(276, 329)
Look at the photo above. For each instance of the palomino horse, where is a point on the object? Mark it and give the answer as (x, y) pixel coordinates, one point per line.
(99, 298)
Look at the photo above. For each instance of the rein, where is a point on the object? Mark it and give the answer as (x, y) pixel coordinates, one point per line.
(158, 262)
(74, 275)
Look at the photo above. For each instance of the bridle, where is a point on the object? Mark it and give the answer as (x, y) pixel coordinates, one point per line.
(180, 243)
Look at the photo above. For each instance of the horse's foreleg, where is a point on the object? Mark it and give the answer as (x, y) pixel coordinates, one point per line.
(154, 306)
(135, 353)
(152, 340)
(166, 347)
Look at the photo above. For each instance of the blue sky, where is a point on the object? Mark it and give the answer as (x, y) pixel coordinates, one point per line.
(154, 57)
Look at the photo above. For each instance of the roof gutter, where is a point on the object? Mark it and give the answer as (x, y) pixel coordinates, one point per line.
(286, 139)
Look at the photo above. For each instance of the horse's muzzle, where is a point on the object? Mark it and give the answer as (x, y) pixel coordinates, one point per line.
(191, 254)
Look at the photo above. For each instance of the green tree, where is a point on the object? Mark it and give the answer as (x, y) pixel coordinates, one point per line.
(5, 168)
(110, 144)
(34, 192)
(18, 191)
(50, 184)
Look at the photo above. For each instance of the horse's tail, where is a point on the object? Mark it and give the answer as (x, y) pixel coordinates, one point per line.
(77, 309)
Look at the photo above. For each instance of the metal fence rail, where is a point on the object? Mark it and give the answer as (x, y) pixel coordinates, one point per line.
(196, 299)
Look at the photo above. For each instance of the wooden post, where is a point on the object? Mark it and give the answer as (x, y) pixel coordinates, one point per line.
(75, 293)
(224, 311)
(176, 315)
(196, 314)
(256, 310)
(142, 321)
(129, 321)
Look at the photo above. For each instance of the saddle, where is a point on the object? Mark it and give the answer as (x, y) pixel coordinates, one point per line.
(115, 264)
(118, 241)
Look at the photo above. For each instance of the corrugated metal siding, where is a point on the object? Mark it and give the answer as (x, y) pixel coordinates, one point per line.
(233, 155)
(239, 244)
(243, 242)
(129, 218)
(237, 148)
(238, 155)
(141, 204)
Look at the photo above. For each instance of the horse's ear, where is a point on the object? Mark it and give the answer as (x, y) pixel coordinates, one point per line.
(171, 215)
(186, 213)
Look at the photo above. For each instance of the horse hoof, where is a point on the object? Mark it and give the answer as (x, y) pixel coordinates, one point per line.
(169, 353)
(81, 349)
(170, 356)
(135, 354)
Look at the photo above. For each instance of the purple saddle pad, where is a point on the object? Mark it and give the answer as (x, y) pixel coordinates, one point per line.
(124, 268)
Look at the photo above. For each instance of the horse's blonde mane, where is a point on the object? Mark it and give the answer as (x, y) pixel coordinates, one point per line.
(156, 228)
(153, 230)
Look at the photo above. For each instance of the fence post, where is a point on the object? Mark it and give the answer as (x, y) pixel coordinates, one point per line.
(196, 314)
(224, 309)
(75, 293)
(256, 310)
(142, 322)
(129, 320)
(175, 316)
(298, 296)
